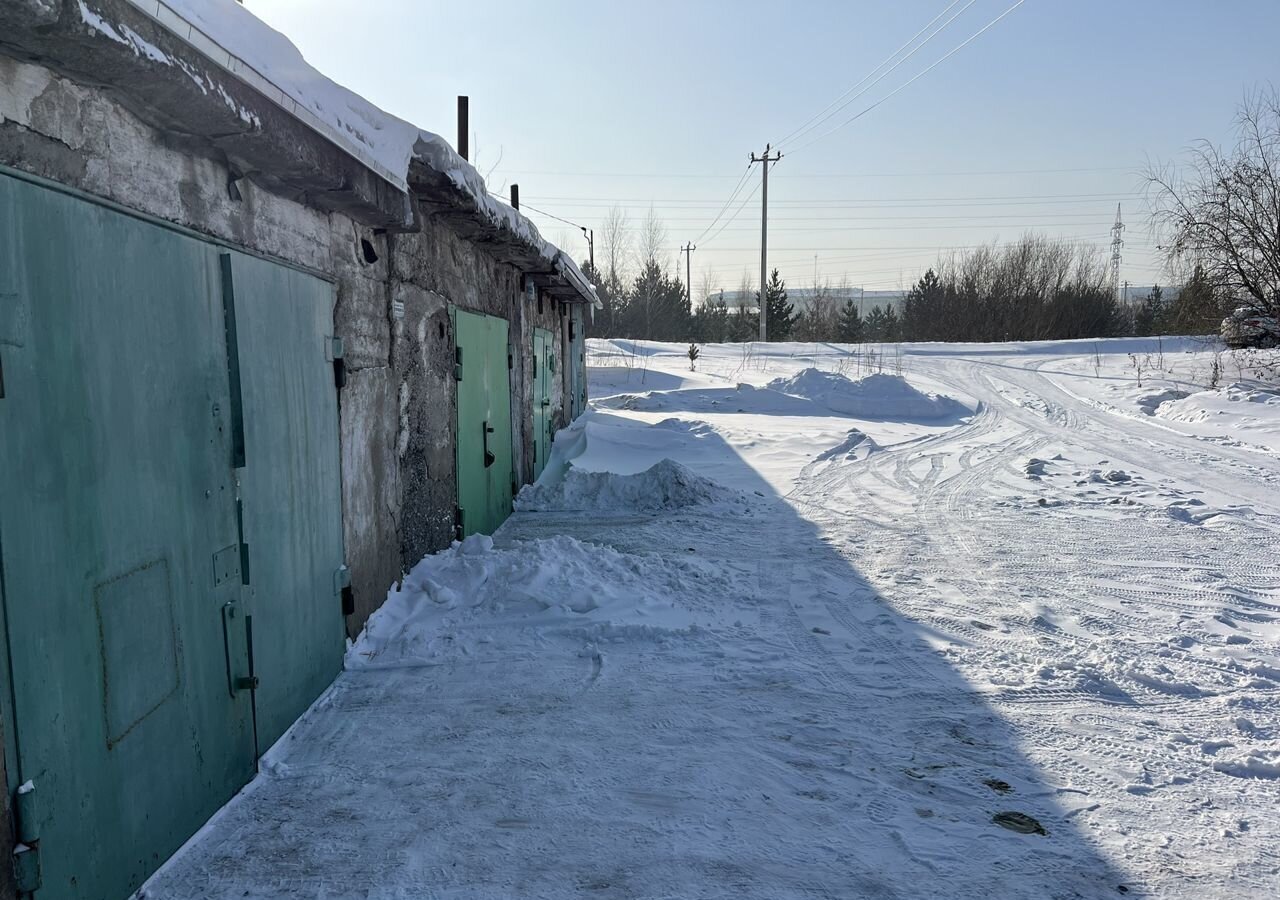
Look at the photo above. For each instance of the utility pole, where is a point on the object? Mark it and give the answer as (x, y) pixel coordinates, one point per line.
(764, 234)
(687, 250)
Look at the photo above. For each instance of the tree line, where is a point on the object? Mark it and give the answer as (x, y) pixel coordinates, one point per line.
(1034, 289)
(1220, 218)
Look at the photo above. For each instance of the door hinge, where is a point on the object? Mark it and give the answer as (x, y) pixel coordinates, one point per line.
(342, 587)
(233, 361)
(338, 352)
(489, 456)
(457, 363)
(511, 364)
(26, 853)
(341, 578)
(459, 520)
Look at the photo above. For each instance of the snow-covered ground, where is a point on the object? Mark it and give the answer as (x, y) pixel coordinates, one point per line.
(952, 621)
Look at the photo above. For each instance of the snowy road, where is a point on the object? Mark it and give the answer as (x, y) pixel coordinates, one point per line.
(860, 642)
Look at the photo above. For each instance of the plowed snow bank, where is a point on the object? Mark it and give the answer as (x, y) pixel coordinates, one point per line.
(878, 396)
(664, 485)
(477, 600)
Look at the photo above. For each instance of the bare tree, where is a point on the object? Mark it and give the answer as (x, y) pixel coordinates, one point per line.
(818, 320)
(653, 241)
(709, 285)
(615, 245)
(746, 290)
(486, 173)
(1222, 212)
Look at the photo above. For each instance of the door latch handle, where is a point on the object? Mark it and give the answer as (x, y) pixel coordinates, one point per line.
(489, 458)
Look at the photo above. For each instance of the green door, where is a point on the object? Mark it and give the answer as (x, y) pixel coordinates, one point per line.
(121, 567)
(290, 483)
(543, 379)
(484, 469)
(576, 363)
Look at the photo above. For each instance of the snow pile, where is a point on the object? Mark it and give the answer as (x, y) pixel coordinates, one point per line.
(663, 486)
(879, 396)
(741, 398)
(1152, 401)
(474, 599)
(1242, 405)
(1250, 764)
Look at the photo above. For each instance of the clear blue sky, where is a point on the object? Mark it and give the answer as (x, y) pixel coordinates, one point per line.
(597, 103)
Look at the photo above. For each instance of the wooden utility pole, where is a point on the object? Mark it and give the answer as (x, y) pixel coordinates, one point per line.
(764, 236)
(687, 250)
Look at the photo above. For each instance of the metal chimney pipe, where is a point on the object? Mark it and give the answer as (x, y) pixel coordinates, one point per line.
(464, 126)
(515, 196)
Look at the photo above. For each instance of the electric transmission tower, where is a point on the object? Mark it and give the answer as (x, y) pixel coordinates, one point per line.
(1117, 242)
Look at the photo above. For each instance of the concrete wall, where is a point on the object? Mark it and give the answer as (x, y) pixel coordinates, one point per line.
(393, 294)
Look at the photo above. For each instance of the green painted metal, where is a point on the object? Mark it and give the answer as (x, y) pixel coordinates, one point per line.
(118, 496)
(543, 379)
(576, 368)
(484, 422)
(168, 417)
(290, 484)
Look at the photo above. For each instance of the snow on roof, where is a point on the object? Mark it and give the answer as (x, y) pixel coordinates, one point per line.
(262, 57)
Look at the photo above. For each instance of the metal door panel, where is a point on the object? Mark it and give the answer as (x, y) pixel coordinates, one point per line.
(290, 486)
(484, 468)
(542, 381)
(117, 497)
(498, 385)
(471, 340)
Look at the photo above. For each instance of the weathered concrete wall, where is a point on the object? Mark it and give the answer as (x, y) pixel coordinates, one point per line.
(393, 292)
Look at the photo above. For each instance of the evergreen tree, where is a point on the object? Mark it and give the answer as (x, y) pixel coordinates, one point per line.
(892, 325)
(849, 325)
(876, 324)
(744, 325)
(922, 308)
(1151, 314)
(657, 308)
(603, 322)
(710, 323)
(781, 314)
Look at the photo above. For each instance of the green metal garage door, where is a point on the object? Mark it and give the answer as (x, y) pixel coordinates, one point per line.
(544, 366)
(290, 484)
(128, 578)
(484, 467)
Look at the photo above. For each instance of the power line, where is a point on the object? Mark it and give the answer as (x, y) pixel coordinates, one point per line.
(1020, 216)
(736, 212)
(1091, 237)
(927, 227)
(838, 105)
(826, 175)
(868, 203)
(541, 212)
(741, 181)
(916, 77)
